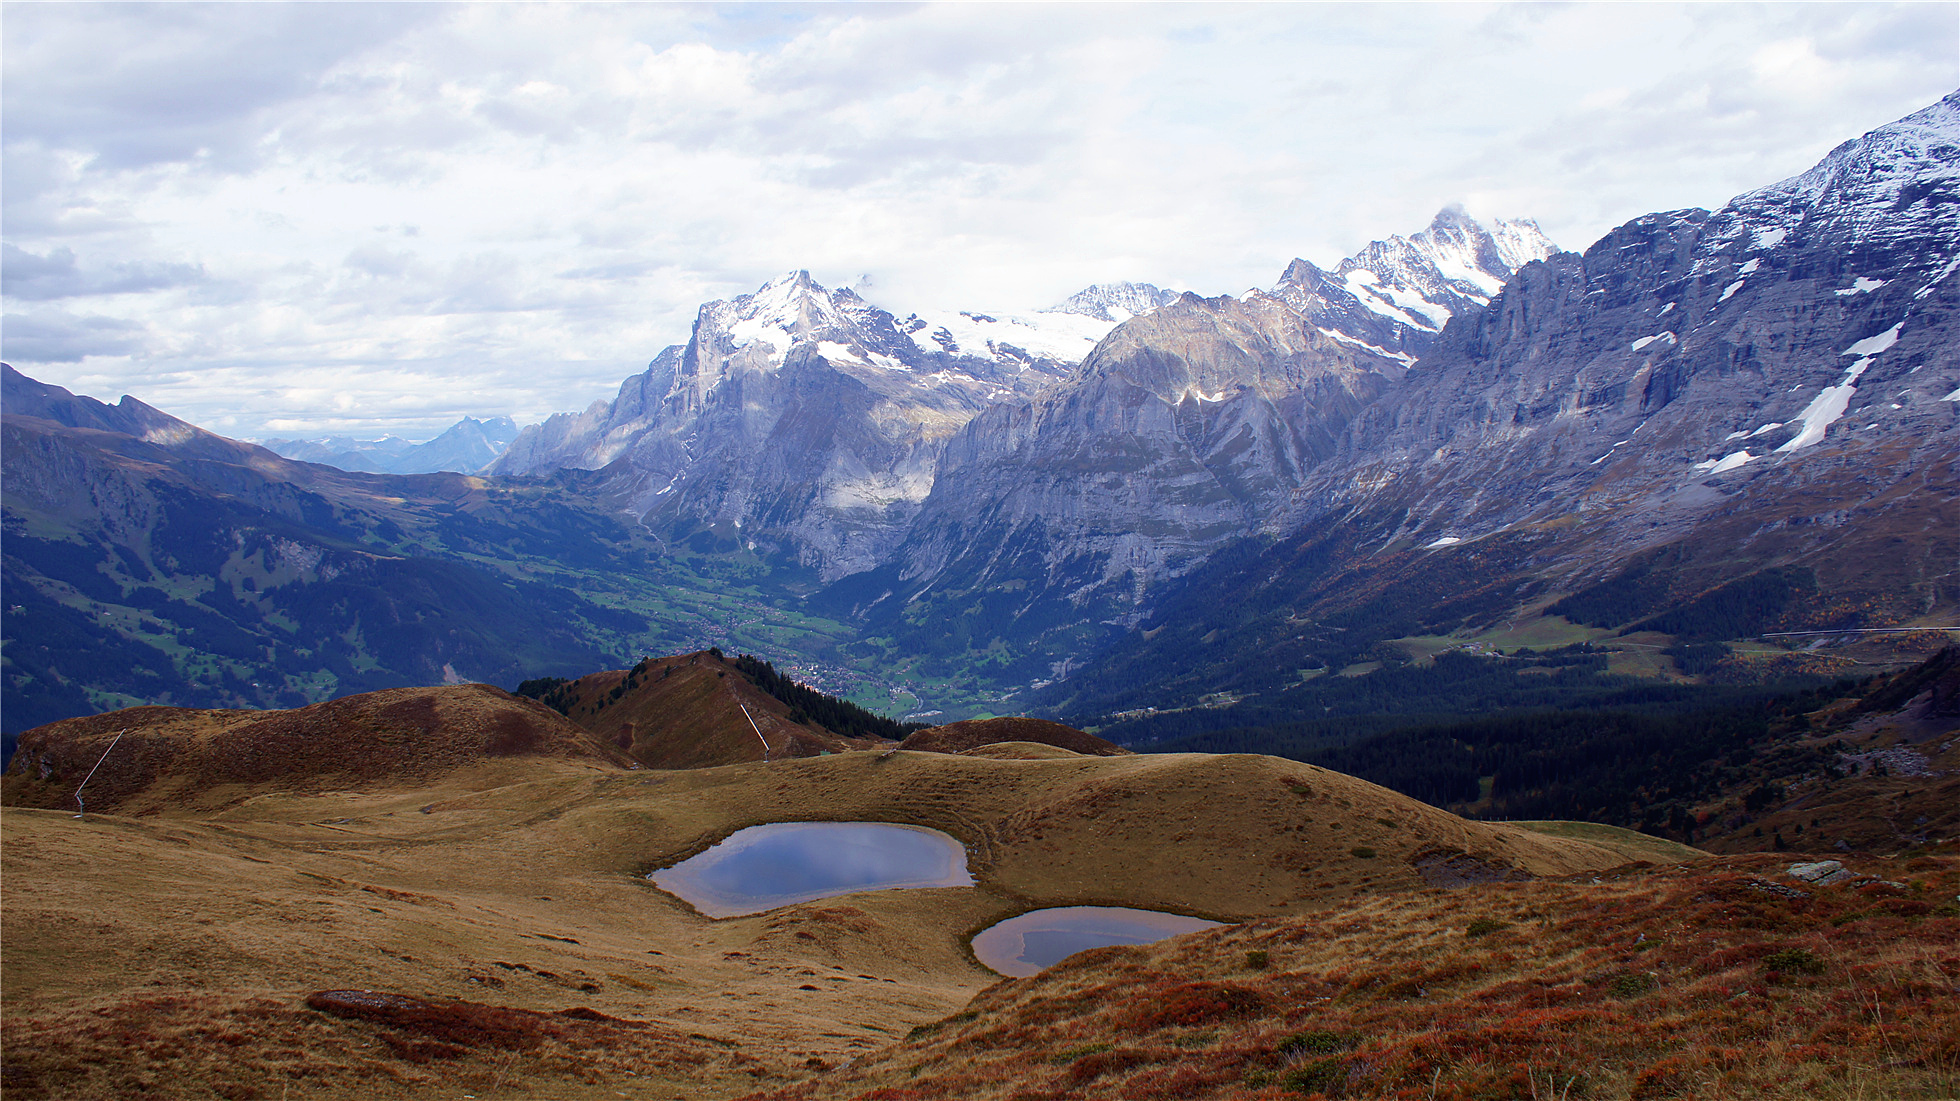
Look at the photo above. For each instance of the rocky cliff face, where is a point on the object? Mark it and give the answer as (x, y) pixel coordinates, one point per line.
(1713, 423)
(1188, 428)
(1181, 430)
(801, 422)
(1692, 362)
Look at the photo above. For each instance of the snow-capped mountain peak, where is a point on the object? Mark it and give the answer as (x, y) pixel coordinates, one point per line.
(1896, 184)
(1395, 295)
(1113, 302)
(1457, 261)
(789, 307)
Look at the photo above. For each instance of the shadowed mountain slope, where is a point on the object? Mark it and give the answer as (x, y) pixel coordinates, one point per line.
(148, 561)
(171, 758)
(692, 711)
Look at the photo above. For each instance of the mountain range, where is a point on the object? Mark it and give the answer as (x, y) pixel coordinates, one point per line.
(1709, 427)
(465, 447)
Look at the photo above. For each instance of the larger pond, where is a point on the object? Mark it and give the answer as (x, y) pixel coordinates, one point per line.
(763, 867)
(1026, 944)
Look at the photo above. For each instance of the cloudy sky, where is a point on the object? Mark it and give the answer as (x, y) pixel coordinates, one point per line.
(363, 218)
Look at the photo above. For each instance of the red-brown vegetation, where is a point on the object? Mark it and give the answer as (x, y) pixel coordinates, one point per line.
(694, 711)
(1698, 981)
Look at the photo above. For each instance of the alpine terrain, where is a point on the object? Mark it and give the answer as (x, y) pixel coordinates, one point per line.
(1496, 672)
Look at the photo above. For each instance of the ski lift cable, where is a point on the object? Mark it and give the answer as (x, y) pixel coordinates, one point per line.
(757, 729)
(79, 807)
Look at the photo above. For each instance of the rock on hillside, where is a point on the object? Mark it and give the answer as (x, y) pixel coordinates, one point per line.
(180, 758)
(693, 711)
(969, 734)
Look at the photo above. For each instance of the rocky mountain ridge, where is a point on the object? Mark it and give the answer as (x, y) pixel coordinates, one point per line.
(801, 422)
(1688, 356)
(1394, 296)
(922, 427)
(1755, 409)
(465, 447)
(1765, 395)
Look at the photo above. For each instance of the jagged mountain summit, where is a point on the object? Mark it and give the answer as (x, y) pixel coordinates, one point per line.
(1114, 302)
(465, 447)
(1394, 296)
(1691, 360)
(1711, 425)
(802, 422)
(723, 439)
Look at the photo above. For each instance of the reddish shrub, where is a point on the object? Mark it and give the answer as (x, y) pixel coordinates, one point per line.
(1091, 1067)
(1198, 1003)
(1667, 1078)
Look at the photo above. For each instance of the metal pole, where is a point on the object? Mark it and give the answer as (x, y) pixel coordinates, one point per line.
(80, 809)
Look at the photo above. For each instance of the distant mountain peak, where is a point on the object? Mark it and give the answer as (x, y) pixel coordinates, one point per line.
(1394, 296)
(1457, 260)
(464, 448)
(1114, 302)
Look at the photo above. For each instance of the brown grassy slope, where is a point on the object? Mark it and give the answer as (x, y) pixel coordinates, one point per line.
(1725, 980)
(179, 759)
(973, 733)
(685, 711)
(1879, 772)
(160, 957)
(179, 949)
(1021, 751)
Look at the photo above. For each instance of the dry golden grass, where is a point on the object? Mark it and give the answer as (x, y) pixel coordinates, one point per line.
(140, 949)
(971, 734)
(1631, 844)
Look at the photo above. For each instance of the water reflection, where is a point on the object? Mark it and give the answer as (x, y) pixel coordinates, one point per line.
(763, 867)
(1026, 944)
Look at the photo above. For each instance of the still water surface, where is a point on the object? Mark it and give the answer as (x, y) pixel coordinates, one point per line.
(1026, 944)
(763, 867)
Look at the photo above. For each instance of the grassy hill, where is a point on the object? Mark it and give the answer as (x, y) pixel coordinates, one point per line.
(497, 904)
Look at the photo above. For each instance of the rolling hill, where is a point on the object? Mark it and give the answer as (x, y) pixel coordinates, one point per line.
(490, 898)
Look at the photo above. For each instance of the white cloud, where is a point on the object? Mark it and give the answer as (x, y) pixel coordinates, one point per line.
(378, 218)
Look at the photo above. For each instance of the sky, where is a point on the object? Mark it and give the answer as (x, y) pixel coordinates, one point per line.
(355, 219)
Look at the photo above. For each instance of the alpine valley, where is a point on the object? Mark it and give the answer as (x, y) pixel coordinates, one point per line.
(1707, 432)
(1354, 625)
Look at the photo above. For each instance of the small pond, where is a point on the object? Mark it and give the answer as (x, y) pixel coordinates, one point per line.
(1026, 944)
(763, 867)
